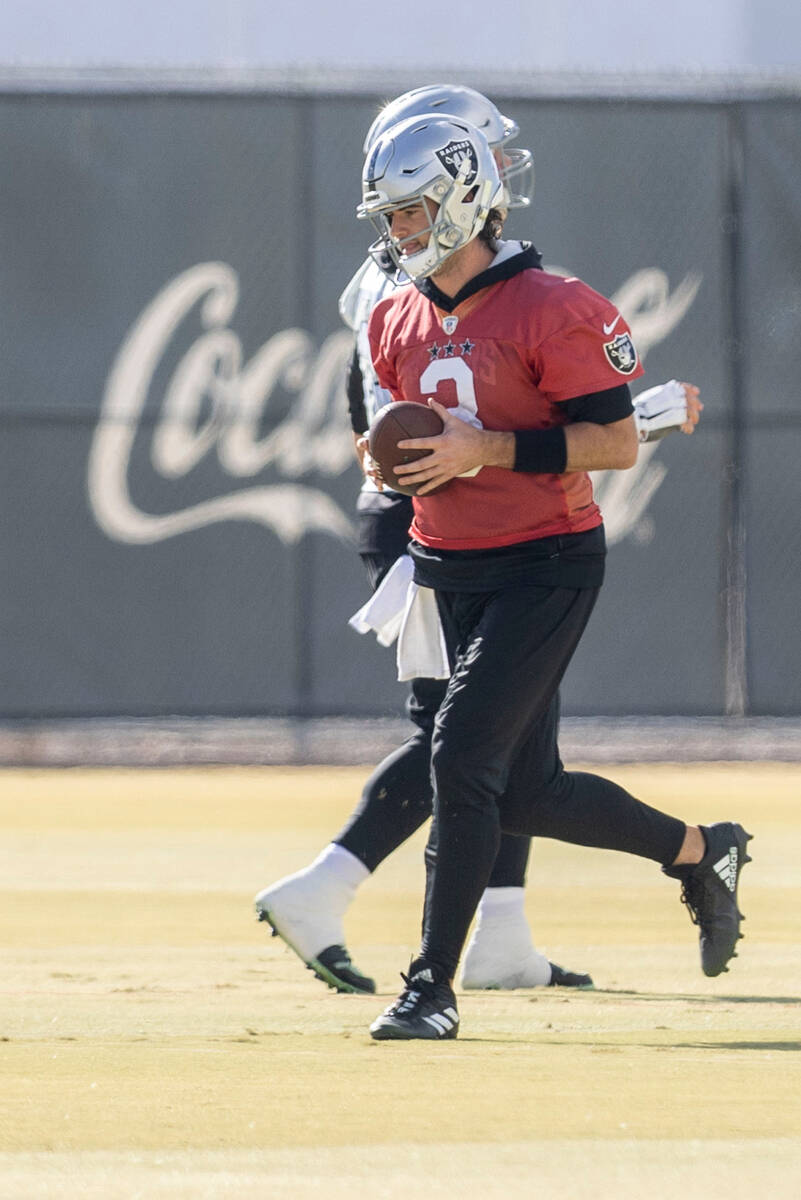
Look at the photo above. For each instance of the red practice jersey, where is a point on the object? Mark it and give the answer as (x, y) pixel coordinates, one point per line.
(509, 356)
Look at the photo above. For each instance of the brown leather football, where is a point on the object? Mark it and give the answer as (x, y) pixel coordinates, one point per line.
(394, 423)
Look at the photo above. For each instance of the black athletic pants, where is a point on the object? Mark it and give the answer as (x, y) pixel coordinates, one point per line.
(397, 797)
(495, 757)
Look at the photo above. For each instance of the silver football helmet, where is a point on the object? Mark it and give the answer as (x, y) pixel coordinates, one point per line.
(444, 164)
(515, 166)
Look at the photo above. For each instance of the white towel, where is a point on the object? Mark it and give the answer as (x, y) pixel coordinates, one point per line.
(421, 642)
(402, 610)
(383, 612)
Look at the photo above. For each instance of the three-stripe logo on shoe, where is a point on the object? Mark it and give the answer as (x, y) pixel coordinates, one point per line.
(443, 1022)
(726, 869)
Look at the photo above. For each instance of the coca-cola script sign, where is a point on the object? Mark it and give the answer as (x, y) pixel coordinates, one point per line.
(217, 402)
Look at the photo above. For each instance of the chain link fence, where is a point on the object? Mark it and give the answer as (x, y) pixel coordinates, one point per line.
(176, 465)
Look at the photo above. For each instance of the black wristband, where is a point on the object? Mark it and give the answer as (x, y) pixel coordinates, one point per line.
(541, 450)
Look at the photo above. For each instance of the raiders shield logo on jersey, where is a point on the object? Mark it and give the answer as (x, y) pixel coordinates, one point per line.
(460, 160)
(621, 353)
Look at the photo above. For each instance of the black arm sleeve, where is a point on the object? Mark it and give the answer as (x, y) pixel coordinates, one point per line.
(601, 408)
(545, 450)
(354, 389)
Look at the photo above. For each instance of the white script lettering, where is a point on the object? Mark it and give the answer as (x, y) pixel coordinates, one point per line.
(212, 379)
(215, 400)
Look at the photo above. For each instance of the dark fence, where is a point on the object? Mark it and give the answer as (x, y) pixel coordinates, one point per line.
(176, 465)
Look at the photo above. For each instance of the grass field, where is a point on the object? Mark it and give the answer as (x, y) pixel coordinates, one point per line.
(155, 1043)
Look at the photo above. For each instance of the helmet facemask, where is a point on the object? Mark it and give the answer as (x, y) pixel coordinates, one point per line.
(517, 176)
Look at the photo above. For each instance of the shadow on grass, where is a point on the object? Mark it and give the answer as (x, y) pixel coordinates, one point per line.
(569, 1042)
(691, 998)
(791, 1046)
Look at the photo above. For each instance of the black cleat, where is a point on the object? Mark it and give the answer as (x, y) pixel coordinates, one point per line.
(425, 1009)
(562, 978)
(709, 890)
(333, 965)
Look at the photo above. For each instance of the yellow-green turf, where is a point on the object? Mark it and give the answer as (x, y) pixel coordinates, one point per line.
(154, 1042)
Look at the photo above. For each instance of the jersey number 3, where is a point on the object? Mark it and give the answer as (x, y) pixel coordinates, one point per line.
(466, 408)
(456, 369)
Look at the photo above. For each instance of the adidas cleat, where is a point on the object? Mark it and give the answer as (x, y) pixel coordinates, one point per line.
(709, 890)
(313, 939)
(425, 1009)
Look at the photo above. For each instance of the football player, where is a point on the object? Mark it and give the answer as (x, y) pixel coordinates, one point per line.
(513, 548)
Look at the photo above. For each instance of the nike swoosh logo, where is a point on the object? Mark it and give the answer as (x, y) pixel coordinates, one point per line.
(609, 328)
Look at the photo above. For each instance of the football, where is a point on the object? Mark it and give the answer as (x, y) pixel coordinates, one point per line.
(394, 423)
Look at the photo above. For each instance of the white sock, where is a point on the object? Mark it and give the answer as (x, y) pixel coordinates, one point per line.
(502, 903)
(501, 953)
(340, 867)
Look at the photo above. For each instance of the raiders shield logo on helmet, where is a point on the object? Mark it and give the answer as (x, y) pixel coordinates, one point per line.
(621, 353)
(460, 160)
